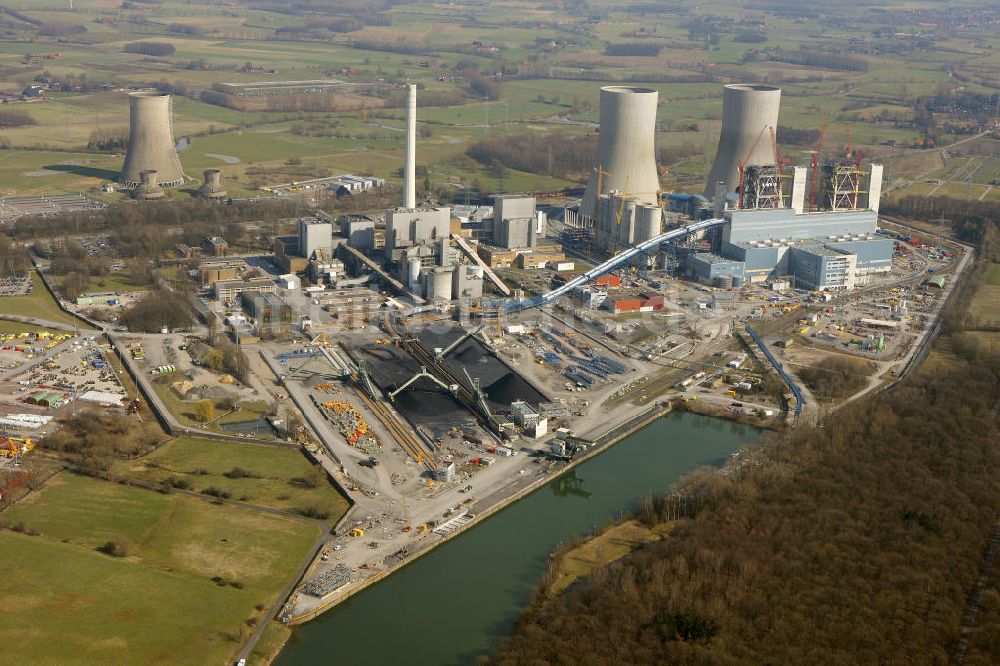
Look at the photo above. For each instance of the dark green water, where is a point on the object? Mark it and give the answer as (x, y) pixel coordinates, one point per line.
(463, 598)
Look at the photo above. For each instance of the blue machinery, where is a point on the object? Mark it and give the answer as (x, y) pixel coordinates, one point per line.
(796, 391)
(614, 262)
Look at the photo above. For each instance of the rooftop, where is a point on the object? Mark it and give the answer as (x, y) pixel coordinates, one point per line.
(712, 258)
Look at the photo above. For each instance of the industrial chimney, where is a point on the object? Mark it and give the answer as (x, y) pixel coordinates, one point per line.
(151, 141)
(212, 189)
(410, 168)
(626, 159)
(148, 187)
(749, 114)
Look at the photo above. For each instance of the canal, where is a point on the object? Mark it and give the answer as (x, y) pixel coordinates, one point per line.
(463, 598)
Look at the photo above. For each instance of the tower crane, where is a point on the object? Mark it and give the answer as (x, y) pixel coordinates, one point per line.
(599, 170)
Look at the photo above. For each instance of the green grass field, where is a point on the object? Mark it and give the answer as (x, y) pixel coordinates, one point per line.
(39, 304)
(17, 327)
(120, 281)
(992, 275)
(156, 605)
(278, 472)
(985, 306)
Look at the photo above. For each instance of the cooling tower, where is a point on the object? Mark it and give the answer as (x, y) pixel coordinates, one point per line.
(151, 141)
(212, 189)
(748, 114)
(625, 158)
(148, 187)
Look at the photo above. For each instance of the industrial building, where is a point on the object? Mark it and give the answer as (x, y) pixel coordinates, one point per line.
(215, 246)
(272, 315)
(351, 306)
(211, 272)
(516, 222)
(409, 226)
(230, 290)
(467, 282)
(315, 240)
(823, 250)
(640, 302)
(260, 89)
(528, 418)
(151, 146)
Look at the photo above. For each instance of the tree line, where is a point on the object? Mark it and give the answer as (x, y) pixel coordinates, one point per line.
(808, 58)
(157, 49)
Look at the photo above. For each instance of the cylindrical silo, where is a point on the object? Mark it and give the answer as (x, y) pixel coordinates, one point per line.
(650, 223)
(749, 114)
(626, 225)
(724, 282)
(212, 189)
(626, 159)
(148, 187)
(438, 281)
(151, 141)
(412, 273)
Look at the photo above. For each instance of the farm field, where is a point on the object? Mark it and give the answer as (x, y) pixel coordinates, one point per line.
(985, 306)
(276, 477)
(556, 62)
(100, 606)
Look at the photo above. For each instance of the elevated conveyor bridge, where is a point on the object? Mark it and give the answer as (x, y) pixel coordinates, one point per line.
(614, 262)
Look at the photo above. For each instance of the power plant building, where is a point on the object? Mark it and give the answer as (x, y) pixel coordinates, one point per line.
(407, 226)
(626, 156)
(151, 145)
(315, 236)
(516, 223)
(822, 250)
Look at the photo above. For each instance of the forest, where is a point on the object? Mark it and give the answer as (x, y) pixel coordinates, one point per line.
(858, 543)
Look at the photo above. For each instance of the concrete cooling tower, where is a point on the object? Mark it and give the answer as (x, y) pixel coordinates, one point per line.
(148, 187)
(748, 111)
(151, 141)
(625, 147)
(212, 189)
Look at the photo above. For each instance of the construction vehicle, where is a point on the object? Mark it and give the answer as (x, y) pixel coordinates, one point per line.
(357, 532)
(11, 447)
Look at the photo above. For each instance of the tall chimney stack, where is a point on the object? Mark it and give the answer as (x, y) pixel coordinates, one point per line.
(410, 168)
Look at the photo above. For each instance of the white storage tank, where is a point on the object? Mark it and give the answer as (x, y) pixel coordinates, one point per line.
(650, 223)
(412, 273)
